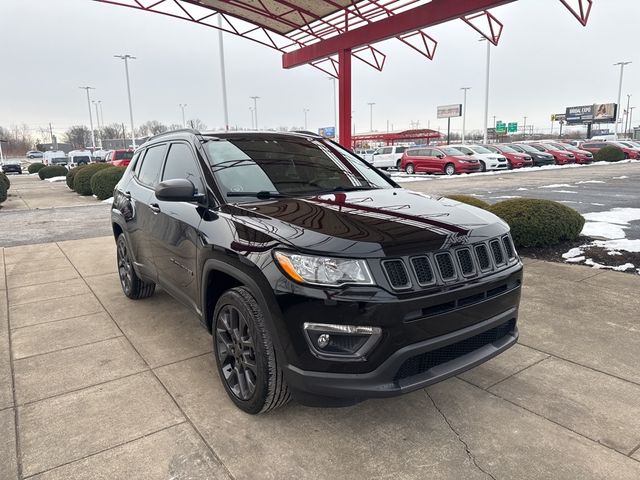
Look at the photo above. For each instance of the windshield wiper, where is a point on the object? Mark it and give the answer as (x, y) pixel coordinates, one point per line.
(261, 195)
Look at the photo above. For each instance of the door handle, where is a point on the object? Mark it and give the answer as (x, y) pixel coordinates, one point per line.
(155, 208)
(127, 195)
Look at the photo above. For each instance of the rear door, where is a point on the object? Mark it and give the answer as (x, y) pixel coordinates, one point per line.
(381, 157)
(175, 228)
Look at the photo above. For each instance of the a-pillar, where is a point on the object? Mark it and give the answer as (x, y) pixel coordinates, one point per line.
(344, 97)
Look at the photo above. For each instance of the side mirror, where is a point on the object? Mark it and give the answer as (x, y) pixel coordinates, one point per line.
(469, 153)
(177, 190)
(440, 155)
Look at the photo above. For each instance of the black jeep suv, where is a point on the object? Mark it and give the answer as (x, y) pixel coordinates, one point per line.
(318, 276)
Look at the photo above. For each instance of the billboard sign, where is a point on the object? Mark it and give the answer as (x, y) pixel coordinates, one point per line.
(558, 117)
(604, 112)
(450, 111)
(598, 112)
(327, 132)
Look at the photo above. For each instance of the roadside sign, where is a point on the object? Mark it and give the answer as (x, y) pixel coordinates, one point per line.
(501, 127)
(450, 111)
(328, 132)
(559, 117)
(512, 127)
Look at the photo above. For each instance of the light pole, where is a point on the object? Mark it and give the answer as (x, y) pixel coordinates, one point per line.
(255, 109)
(93, 137)
(95, 105)
(622, 64)
(126, 59)
(371, 104)
(223, 75)
(182, 107)
(626, 118)
(101, 113)
(630, 135)
(305, 110)
(524, 129)
(335, 108)
(464, 111)
(251, 110)
(486, 90)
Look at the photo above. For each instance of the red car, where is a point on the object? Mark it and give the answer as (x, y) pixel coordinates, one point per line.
(119, 158)
(594, 147)
(515, 158)
(444, 159)
(582, 156)
(561, 156)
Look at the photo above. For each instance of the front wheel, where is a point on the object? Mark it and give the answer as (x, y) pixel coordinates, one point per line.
(244, 353)
(132, 285)
(450, 169)
(483, 165)
(398, 165)
(410, 169)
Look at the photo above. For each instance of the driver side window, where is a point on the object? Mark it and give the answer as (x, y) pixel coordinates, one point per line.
(181, 163)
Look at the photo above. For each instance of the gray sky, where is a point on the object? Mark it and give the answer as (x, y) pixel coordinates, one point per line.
(545, 62)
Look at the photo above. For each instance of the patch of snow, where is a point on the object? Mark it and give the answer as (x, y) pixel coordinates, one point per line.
(507, 196)
(603, 230)
(522, 189)
(622, 177)
(589, 181)
(108, 200)
(399, 178)
(567, 201)
(574, 252)
(576, 259)
(563, 191)
(555, 185)
(620, 216)
(56, 179)
(597, 204)
(619, 244)
(619, 268)
(613, 253)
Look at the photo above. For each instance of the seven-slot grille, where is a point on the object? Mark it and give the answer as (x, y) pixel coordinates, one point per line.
(445, 267)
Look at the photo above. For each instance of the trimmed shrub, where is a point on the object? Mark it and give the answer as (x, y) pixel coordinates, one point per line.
(4, 179)
(52, 171)
(82, 178)
(104, 181)
(610, 153)
(469, 200)
(539, 223)
(3, 192)
(34, 167)
(71, 175)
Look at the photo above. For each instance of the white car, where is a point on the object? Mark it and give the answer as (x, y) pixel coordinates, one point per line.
(99, 154)
(488, 159)
(388, 157)
(79, 157)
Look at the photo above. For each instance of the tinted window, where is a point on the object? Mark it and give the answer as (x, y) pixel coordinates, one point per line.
(400, 149)
(123, 155)
(182, 164)
(151, 165)
(385, 151)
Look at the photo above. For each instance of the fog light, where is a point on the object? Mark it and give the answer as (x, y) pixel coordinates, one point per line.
(347, 342)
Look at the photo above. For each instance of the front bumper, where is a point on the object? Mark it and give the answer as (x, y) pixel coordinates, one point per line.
(11, 169)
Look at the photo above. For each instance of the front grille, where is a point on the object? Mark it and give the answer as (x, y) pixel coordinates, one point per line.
(426, 361)
(466, 262)
(422, 269)
(483, 257)
(445, 265)
(508, 247)
(497, 252)
(397, 274)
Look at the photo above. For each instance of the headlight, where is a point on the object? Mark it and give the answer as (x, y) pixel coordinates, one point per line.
(326, 271)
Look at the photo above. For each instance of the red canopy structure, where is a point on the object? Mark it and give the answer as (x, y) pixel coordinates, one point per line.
(328, 33)
(392, 137)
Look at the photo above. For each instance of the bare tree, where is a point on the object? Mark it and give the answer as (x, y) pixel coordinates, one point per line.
(151, 127)
(197, 124)
(109, 132)
(79, 136)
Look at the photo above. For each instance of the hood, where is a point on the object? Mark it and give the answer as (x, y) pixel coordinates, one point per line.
(376, 223)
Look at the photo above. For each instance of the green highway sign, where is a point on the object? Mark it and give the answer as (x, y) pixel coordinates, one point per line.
(501, 127)
(512, 127)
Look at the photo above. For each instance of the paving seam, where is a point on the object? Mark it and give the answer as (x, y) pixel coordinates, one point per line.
(600, 270)
(69, 348)
(107, 449)
(516, 373)
(188, 419)
(581, 365)
(13, 376)
(49, 299)
(58, 320)
(634, 450)
(182, 360)
(554, 422)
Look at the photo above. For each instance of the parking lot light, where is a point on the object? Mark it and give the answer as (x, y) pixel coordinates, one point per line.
(464, 110)
(622, 64)
(93, 137)
(126, 59)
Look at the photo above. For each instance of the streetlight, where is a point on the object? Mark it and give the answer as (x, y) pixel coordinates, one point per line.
(126, 59)
(223, 75)
(101, 113)
(464, 111)
(524, 129)
(182, 107)
(305, 110)
(371, 104)
(486, 90)
(93, 137)
(626, 118)
(630, 135)
(251, 110)
(95, 105)
(622, 64)
(255, 109)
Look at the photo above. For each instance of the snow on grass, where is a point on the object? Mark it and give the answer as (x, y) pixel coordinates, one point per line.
(579, 259)
(563, 191)
(589, 181)
(556, 185)
(406, 178)
(108, 200)
(597, 204)
(622, 177)
(574, 252)
(620, 244)
(506, 197)
(619, 216)
(619, 268)
(603, 230)
(522, 189)
(57, 179)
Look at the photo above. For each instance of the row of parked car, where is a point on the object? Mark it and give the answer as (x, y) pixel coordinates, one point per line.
(120, 157)
(458, 158)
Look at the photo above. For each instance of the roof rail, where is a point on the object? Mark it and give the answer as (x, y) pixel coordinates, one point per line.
(190, 130)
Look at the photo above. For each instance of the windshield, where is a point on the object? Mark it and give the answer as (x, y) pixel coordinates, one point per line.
(454, 152)
(288, 166)
(506, 149)
(529, 148)
(556, 146)
(481, 150)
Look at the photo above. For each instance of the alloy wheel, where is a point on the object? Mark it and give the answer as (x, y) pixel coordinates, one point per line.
(236, 352)
(450, 169)
(125, 269)
(410, 170)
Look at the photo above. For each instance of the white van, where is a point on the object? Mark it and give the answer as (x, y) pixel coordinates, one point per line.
(388, 157)
(79, 157)
(54, 157)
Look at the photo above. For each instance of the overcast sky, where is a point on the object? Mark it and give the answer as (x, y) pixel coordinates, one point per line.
(545, 62)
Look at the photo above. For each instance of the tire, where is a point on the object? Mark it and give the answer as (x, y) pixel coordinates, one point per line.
(484, 166)
(450, 169)
(243, 349)
(509, 165)
(410, 169)
(398, 163)
(132, 285)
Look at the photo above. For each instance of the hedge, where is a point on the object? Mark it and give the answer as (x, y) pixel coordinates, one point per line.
(4, 179)
(469, 200)
(539, 223)
(34, 167)
(52, 171)
(104, 181)
(3, 192)
(82, 178)
(610, 153)
(71, 174)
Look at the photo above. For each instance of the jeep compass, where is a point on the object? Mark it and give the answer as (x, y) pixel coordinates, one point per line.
(318, 277)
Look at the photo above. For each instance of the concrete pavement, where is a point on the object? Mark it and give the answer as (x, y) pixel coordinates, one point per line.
(93, 386)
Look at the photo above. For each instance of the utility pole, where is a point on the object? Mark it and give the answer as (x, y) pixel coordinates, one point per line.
(464, 111)
(182, 107)
(51, 132)
(305, 110)
(95, 104)
(371, 104)
(223, 76)
(101, 113)
(93, 137)
(126, 59)
(486, 90)
(251, 110)
(630, 135)
(255, 109)
(626, 118)
(524, 129)
(622, 65)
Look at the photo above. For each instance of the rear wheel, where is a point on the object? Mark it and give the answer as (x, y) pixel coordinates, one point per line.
(450, 169)
(244, 353)
(398, 165)
(509, 165)
(132, 285)
(483, 165)
(410, 169)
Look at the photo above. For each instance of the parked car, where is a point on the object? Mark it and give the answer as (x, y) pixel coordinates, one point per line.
(539, 158)
(515, 159)
(581, 156)
(33, 154)
(99, 154)
(318, 276)
(562, 157)
(54, 157)
(388, 157)
(119, 158)
(447, 160)
(488, 160)
(11, 166)
(79, 157)
(594, 147)
(366, 154)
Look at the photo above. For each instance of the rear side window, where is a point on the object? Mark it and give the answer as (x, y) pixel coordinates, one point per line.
(400, 149)
(149, 171)
(182, 164)
(385, 151)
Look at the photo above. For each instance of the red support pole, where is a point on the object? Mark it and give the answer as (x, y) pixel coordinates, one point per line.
(344, 97)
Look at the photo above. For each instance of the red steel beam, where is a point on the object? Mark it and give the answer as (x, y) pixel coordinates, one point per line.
(344, 97)
(427, 15)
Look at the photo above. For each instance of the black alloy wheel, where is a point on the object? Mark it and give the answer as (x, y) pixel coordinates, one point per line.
(132, 285)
